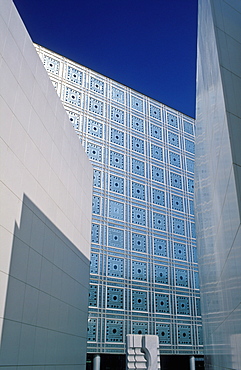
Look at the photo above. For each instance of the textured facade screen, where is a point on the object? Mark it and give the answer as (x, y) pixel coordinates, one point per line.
(143, 263)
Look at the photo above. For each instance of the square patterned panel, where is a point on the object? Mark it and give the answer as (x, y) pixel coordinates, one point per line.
(94, 152)
(155, 112)
(156, 152)
(139, 327)
(172, 120)
(137, 123)
(115, 237)
(163, 332)
(97, 85)
(138, 167)
(117, 115)
(117, 137)
(115, 266)
(51, 65)
(116, 210)
(173, 139)
(74, 75)
(184, 334)
(159, 221)
(183, 305)
(174, 159)
(72, 97)
(157, 174)
(138, 190)
(116, 159)
(117, 184)
(95, 128)
(189, 146)
(161, 274)
(156, 132)
(137, 103)
(181, 277)
(115, 298)
(180, 251)
(114, 331)
(158, 197)
(138, 242)
(178, 226)
(96, 106)
(162, 303)
(139, 270)
(188, 127)
(160, 247)
(177, 203)
(118, 95)
(176, 180)
(190, 165)
(139, 300)
(137, 145)
(139, 216)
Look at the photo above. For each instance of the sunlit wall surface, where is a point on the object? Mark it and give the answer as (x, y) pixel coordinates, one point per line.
(144, 275)
(45, 214)
(217, 180)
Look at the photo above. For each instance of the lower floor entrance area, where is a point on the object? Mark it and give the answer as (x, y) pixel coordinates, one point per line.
(168, 362)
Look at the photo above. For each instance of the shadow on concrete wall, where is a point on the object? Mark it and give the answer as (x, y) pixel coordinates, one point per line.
(45, 319)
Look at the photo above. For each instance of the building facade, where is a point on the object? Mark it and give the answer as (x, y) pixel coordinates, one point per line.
(217, 180)
(45, 214)
(144, 272)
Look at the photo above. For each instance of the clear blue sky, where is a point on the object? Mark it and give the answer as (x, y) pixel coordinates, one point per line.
(148, 45)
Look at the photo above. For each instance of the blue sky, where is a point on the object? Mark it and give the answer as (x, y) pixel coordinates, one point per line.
(149, 46)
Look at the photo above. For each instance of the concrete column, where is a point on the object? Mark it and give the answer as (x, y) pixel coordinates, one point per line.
(96, 362)
(192, 362)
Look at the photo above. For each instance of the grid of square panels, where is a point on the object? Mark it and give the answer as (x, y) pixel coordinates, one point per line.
(143, 229)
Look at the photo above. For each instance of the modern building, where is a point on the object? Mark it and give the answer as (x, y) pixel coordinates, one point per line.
(217, 180)
(144, 272)
(45, 214)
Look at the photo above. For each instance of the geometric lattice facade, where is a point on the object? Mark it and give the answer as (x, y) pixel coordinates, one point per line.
(143, 263)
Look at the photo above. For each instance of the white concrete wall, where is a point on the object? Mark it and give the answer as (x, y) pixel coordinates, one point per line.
(218, 184)
(45, 214)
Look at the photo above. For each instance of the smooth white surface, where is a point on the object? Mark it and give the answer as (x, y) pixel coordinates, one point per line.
(217, 197)
(45, 215)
